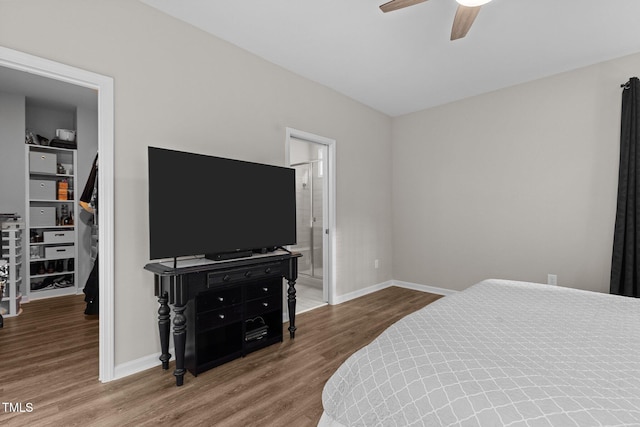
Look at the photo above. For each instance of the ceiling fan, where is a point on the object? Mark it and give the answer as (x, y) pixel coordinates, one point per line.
(465, 15)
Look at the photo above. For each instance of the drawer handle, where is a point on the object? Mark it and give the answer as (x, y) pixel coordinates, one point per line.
(220, 299)
(221, 316)
(265, 304)
(267, 270)
(265, 289)
(43, 157)
(42, 185)
(247, 274)
(226, 278)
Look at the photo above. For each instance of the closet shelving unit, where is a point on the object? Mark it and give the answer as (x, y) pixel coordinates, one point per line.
(12, 254)
(53, 242)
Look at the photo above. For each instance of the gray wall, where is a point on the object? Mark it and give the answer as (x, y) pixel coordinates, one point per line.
(12, 163)
(177, 87)
(43, 119)
(516, 184)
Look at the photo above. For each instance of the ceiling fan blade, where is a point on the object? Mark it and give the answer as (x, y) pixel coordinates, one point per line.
(398, 4)
(463, 21)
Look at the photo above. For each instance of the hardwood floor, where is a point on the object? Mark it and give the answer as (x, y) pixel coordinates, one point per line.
(49, 362)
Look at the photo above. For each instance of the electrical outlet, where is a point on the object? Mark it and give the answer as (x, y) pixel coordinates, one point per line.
(376, 264)
(552, 279)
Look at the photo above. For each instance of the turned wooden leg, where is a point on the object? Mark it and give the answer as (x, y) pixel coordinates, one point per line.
(179, 340)
(164, 318)
(291, 299)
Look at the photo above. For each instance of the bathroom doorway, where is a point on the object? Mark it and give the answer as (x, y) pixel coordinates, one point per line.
(310, 156)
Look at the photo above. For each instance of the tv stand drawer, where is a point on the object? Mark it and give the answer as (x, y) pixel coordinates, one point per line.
(264, 288)
(241, 274)
(262, 305)
(217, 318)
(218, 298)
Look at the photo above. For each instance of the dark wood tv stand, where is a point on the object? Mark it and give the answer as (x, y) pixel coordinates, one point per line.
(222, 309)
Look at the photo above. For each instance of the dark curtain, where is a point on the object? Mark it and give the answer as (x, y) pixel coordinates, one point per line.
(625, 265)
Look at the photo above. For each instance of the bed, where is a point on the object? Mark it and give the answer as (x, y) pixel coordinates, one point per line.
(501, 353)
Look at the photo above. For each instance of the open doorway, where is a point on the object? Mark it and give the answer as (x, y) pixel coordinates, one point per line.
(49, 71)
(311, 156)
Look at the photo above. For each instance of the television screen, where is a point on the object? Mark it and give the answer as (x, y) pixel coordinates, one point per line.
(205, 205)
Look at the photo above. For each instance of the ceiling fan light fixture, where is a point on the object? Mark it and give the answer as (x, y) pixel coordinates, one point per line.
(472, 3)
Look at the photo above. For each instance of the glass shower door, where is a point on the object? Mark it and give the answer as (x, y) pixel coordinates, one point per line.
(309, 221)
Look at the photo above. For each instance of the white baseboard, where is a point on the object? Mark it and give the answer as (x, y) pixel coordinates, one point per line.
(138, 365)
(424, 288)
(339, 299)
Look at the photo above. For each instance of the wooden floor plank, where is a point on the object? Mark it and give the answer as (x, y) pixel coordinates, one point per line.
(49, 358)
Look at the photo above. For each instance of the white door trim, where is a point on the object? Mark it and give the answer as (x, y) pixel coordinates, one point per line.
(104, 86)
(328, 247)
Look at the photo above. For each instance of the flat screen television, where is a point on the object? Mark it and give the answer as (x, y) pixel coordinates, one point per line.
(217, 207)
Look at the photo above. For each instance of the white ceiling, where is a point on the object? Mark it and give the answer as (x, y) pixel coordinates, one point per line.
(403, 61)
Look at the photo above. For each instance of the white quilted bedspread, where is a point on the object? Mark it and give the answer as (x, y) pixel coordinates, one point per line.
(500, 353)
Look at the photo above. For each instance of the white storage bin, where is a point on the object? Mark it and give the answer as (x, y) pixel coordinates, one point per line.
(58, 236)
(42, 216)
(40, 189)
(55, 252)
(41, 162)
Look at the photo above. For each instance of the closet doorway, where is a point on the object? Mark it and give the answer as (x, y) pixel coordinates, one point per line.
(312, 158)
(44, 70)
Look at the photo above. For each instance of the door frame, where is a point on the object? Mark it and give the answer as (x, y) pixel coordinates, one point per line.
(329, 208)
(27, 63)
